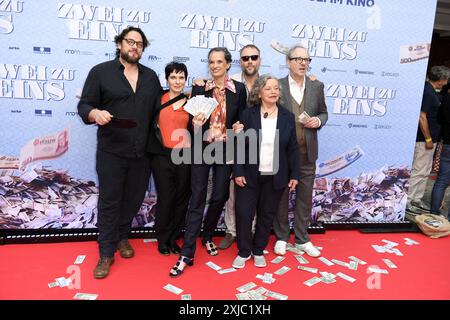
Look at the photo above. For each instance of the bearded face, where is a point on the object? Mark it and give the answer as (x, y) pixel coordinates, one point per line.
(131, 47)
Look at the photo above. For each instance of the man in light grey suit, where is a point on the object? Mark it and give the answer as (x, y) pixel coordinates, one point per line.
(303, 97)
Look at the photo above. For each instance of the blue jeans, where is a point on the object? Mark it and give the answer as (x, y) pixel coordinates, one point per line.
(442, 182)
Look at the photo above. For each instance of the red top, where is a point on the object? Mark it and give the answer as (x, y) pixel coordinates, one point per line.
(169, 121)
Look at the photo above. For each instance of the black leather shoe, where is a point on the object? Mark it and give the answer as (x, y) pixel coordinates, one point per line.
(174, 247)
(163, 249)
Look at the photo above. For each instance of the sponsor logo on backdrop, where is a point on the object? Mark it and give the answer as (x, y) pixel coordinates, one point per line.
(36, 82)
(13, 48)
(382, 126)
(110, 55)
(390, 74)
(364, 72)
(78, 52)
(357, 125)
(234, 62)
(42, 50)
(214, 31)
(99, 23)
(43, 113)
(8, 9)
(153, 58)
(326, 69)
(181, 59)
(332, 124)
(16, 111)
(359, 100)
(329, 42)
(71, 113)
(354, 3)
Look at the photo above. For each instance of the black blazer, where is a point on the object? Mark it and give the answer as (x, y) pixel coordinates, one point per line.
(287, 157)
(236, 103)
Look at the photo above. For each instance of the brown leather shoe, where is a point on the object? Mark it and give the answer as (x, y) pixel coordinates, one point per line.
(102, 268)
(226, 242)
(125, 249)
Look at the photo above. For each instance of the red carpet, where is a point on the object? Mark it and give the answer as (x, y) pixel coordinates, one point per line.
(422, 273)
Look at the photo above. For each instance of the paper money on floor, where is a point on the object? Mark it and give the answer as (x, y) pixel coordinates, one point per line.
(379, 249)
(266, 279)
(246, 287)
(85, 296)
(345, 277)
(312, 270)
(390, 243)
(213, 266)
(301, 259)
(243, 296)
(282, 270)
(261, 290)
(223, 271)
(326, 261)
(357, 260)
(312, 281)
(63, 282)
(353, 265)
(377, 270)
(80, 259)
(278, 259)
(389, 263)
(255, 295)
(410, 242)
(276, 295)
(173, 289)
(341, 263)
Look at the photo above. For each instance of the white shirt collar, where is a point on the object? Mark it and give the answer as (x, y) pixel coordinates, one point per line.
(292, 82)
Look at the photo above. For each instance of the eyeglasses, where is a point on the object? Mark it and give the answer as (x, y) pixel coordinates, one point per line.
(253, 58)
(300, 59)
(131, 42)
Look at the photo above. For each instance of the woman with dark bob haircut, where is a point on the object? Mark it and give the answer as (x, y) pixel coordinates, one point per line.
(169, 136)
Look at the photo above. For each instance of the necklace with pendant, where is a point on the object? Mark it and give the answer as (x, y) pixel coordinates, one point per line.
(266, 114)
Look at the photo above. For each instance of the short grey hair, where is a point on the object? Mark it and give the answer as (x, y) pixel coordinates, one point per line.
(260, 83)
(439, 73)
(293, 48)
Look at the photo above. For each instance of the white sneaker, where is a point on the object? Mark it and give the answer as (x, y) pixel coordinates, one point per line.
(280, 247)
(309, 248)
(239, 262)
(260, 261)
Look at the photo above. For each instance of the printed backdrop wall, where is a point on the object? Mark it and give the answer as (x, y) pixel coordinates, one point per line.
(370, 54)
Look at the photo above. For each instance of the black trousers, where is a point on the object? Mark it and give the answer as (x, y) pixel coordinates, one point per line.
(122, 186)
(173, 189)
(264, 199)
(219, 195)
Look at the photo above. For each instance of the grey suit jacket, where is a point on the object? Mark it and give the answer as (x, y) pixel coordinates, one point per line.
(314, 105)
